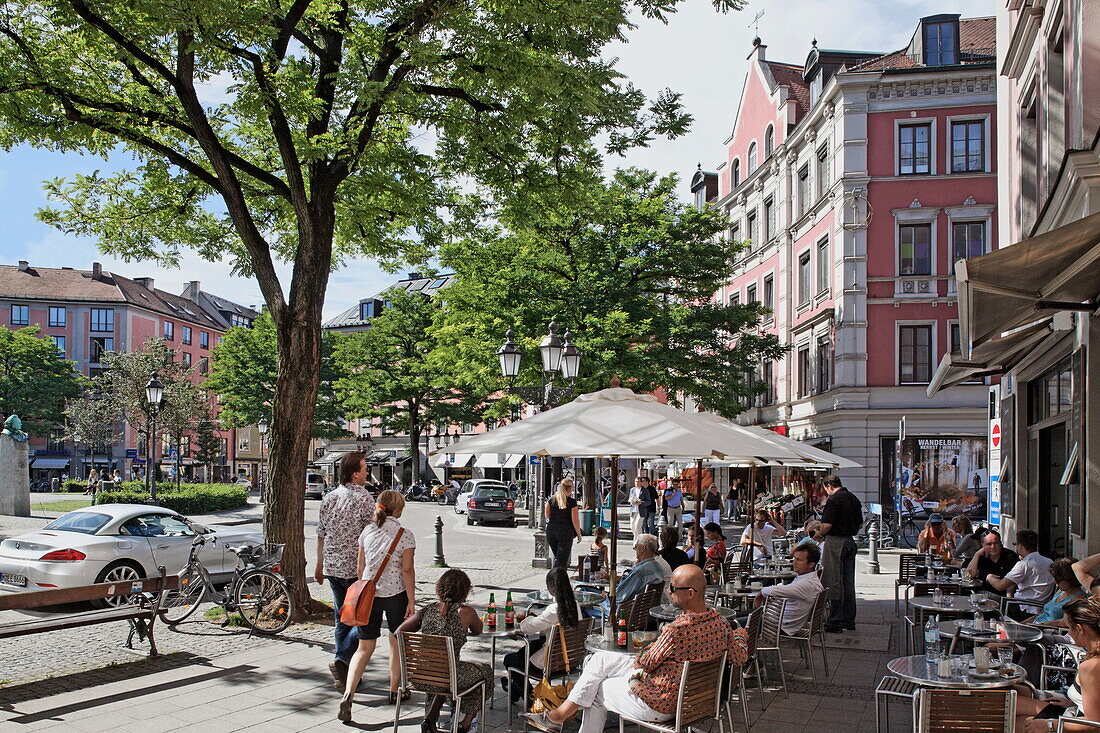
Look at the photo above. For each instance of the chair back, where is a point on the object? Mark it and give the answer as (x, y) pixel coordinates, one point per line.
(427, 660)
(574, 648)
(816, 623)
(752, 630)
(700, 698)
(948, 589)
(732, 564)
(973, 711)
(638, 618)
(771, 623)
(744, 563)
(907, 567)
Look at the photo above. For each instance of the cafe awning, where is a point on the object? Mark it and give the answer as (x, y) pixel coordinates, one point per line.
(995, 356)
(50, 463)
(499, 460)
(451, 460)
(1027, 282)
(332, 456)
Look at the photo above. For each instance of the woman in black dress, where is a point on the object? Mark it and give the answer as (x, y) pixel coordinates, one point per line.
(563, 523)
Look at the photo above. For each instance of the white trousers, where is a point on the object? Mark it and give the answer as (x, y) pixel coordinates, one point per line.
(712, 515)
(605, 685)
(636, 524)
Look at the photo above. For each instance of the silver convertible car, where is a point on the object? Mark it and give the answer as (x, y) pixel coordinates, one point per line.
(113, 542)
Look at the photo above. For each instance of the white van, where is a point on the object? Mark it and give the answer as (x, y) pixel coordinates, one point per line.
(316, 487)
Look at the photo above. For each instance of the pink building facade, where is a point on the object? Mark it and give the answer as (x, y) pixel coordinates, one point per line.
(858, 178)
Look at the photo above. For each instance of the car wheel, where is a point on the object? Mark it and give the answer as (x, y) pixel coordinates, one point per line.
(513, 524)
(120, 571)
(456, 509)
(469, 520)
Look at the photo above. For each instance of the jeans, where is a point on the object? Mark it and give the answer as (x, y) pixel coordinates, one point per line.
(731, 508)
(649, 522)
(839, 561)
(514, 661)
(561, 547)
(346, 637)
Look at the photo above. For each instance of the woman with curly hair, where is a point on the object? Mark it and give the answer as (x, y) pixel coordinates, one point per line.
(450, 616)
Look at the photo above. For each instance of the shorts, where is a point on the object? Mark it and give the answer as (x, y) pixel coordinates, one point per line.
(393, 607)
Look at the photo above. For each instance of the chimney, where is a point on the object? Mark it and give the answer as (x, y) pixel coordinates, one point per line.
(97, 270)
(24, 265)
(145, 282)
(193, 289)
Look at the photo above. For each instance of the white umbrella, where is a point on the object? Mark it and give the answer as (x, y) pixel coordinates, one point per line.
(814, 456)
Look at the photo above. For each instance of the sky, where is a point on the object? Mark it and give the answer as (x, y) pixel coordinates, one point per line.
(699, 53)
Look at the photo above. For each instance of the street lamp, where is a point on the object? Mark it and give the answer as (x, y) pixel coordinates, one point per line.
(154, 393)
(262, 426)
(364, 442)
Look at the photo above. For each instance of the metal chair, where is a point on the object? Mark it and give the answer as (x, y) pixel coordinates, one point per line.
(907, 571)
(891, 686)
(697, 701)
(972, 711)
(556, 664)
(1029, 606)
(429, 666)
(814, 626)
(638, 618)
(1077, 721)
(734, 679)
(752, 632)
(771, 628)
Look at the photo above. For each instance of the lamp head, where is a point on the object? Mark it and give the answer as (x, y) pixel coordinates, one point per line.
(154, 391)
(570, 358)
(509, 355)
(551, 350)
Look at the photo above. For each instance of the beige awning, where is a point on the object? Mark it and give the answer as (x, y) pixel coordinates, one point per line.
(1014, 286)
(995, 356)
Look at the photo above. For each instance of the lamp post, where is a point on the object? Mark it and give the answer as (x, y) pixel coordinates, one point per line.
(561, 363)
(154, 393)
(364, 443)
(262, 426)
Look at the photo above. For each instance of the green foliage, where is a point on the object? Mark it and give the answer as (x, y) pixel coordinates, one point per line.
(186, 499)
(629, 270)
(72, 486)
(35, 381)
(207, 443)
(243, 376)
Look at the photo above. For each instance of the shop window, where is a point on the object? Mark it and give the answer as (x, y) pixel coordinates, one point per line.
(1051, 395)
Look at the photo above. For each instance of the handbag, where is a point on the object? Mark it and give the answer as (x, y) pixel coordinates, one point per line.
(359, 600)
(547, 696)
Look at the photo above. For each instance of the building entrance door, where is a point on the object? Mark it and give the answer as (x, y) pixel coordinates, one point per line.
(1053, 526)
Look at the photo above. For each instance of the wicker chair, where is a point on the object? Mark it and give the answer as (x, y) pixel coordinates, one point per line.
(972, 711)
(429, 666)
(814, 627)
(697, 702)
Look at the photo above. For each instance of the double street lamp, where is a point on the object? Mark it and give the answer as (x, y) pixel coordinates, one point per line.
(262, 427)
(154, 393)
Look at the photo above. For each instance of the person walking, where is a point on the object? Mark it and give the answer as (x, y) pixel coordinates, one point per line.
(395, 590)
(731, 500)
(637, 521)
(563, 523)
(712, 506)
(673, 497)
(344, 514)
(649, 506)
(840, 521)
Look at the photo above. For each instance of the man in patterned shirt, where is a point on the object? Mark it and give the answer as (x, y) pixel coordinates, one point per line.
(344, 513)
(647, 689)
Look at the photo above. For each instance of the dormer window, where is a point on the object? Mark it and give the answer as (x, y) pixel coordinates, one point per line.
(752, 158)
(941, 41)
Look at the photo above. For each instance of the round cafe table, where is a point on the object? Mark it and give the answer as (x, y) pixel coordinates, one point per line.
(669, 613)
(959, 605)
(1014, 633)
(502, 633)
(585, 599)
(599, 643)
(917, 670)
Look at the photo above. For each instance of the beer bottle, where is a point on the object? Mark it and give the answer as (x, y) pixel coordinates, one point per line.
(620, 636)
(491, 614)
(509, 612)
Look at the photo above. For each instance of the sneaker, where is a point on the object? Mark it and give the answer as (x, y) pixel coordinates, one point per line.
(542, 722)
(339, 670)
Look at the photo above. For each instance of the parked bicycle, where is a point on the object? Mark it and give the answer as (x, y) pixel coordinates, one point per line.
(257, 591)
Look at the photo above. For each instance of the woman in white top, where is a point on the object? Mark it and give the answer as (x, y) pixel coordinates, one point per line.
(563, 610)
(395, 592)
(636, 519)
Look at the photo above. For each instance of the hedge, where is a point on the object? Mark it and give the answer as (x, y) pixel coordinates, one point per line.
(187, 499)
(74, 487)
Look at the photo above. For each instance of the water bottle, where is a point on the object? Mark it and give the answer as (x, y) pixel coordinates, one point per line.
(932, 639)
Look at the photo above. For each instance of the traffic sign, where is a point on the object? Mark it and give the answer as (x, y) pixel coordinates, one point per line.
(173, 453)
(534, 461)
(131, 453)
(996, 433)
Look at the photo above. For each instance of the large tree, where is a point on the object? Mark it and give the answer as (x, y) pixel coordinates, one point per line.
(35, 380)
(400, 371)
(328, 129)
(630, 270)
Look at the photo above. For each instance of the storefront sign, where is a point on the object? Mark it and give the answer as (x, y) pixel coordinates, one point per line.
(994, 457)
(944, 474)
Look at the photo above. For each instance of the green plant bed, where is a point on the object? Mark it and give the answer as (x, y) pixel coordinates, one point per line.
(216, 615)
(186, 499)
(73, 487)
(66, 505)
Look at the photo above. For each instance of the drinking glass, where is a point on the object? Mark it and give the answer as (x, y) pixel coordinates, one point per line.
(1004, 655)
(637, 639)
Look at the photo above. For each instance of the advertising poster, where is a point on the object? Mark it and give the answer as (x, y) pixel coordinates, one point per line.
(945, 474)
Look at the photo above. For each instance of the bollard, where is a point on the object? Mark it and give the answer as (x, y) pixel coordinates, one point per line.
(440, 562)
(872, 543)
(662, 522)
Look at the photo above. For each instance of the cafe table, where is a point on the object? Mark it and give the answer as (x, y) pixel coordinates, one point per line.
(585, 599)
(666, 612)
(500, 632)
(1013, 633)
(917, 670)
(957, 605)
(600, 643)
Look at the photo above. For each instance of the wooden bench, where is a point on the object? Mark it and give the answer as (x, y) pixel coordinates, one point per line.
(140, 610)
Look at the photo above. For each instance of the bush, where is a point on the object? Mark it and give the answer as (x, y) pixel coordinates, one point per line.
(72, 486)
(188, 499)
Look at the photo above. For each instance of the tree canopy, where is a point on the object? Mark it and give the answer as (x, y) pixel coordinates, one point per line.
(35, 380)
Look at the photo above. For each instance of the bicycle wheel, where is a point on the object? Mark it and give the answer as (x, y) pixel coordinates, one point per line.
(908, 533)
(180, 604)
(264, 601)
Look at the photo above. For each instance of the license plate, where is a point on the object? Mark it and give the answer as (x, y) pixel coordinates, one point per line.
(492, 505)
(20, 581)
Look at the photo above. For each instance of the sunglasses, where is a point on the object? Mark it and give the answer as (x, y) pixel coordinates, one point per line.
(673, 588)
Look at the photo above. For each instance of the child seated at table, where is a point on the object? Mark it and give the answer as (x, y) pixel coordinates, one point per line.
(563, 610)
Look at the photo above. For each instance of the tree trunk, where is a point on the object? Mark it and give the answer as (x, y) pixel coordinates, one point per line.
(414, 444)
(591, 477)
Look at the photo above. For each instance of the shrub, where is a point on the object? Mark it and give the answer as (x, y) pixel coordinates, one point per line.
(188, 499)
(72, 486)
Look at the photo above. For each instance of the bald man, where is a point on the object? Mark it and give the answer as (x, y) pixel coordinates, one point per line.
(646, 689)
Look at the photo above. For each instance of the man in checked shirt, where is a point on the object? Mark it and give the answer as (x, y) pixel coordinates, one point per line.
(646, 689)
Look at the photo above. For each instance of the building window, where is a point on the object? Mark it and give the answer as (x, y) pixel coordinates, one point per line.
(187, 358)
(20, 315)
(823, 266)
(803, 189)
(967, 240)
(941, 46)
(804, 281)
(700, 202)
(915, 357)
(239, 321)
(769, 141)
(735, 299)
(750, 294)
(769, 292)
(750, 227)
(968, 146)
(187, 335)
(244, 445)
(824, 363)
(204, 365)
(103, 319)
(805, 376)
(59, 343)
(169, 331)
(736, 173)
(220, 339)
(769, 219)
(823, 170)
(752, 159)
(915, 249)
(204, 340)
(57, 317)
(1051, 394)
(735, 233)
(101, 346)
(914, 149)
(767, 377)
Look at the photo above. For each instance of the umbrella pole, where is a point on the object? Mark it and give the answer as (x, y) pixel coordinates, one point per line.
(612, 571)
(698, 509)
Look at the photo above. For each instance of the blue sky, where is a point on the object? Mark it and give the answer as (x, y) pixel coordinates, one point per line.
(699, 53)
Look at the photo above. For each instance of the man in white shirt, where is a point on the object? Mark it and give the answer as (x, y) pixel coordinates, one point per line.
(636, 518)
(1029, 579)
(801, 592)
(759, 535)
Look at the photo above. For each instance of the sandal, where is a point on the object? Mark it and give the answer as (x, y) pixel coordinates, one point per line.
(404, 696)
(344, 716)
